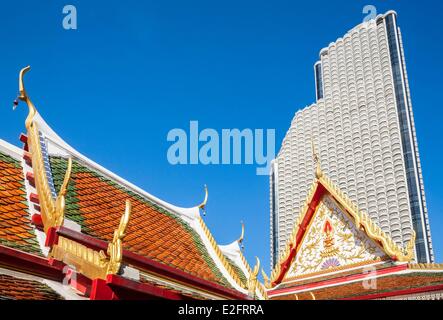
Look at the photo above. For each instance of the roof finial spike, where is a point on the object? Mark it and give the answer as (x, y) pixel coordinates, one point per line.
(202, 205)
(242, 236)
(316, 158)
(59, 214)
(115, 248)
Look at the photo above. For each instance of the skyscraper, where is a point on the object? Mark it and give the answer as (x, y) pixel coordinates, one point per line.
(363, 126)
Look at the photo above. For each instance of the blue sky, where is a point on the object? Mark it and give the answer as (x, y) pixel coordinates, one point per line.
(132, 71)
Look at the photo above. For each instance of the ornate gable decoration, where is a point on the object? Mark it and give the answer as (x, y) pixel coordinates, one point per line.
(331, 233)
(333, 241)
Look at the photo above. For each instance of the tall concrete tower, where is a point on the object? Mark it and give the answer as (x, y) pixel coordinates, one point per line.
(363, 126)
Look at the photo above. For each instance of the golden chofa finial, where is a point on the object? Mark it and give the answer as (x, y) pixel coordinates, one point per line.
(23, 96)
(242, 236)
(252, 281)
(202, 205)
(316, 158)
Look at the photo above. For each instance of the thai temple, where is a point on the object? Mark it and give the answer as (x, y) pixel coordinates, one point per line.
(72, 230)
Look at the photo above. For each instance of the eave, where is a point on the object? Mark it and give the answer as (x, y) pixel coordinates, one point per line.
(321, 186)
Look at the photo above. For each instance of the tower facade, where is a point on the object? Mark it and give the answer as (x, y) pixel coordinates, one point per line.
(363, 126)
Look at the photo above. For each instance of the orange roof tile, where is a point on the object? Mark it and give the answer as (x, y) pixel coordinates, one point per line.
(16, 230)
(20, 289)
(97, 204)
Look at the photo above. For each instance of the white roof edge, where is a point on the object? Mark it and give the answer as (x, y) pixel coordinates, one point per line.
(188, 214)
(11, 150)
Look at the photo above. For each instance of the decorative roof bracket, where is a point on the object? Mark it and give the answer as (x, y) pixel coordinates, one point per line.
(202, 205)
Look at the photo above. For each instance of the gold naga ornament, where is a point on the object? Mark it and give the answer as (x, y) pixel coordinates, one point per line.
(87, 261)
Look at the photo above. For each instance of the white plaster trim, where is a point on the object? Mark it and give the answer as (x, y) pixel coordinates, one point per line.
(11, 150)
(198, 228)
(72, 225)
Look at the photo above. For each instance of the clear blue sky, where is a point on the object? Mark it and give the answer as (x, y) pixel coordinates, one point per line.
(132, 71)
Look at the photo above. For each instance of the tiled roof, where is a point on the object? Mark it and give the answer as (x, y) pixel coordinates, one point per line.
(97, 203)
(21, 289)
(389, 283)
(15, 225)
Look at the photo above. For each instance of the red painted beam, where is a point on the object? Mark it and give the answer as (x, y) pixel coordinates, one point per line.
(29, 263)
(153, 266)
